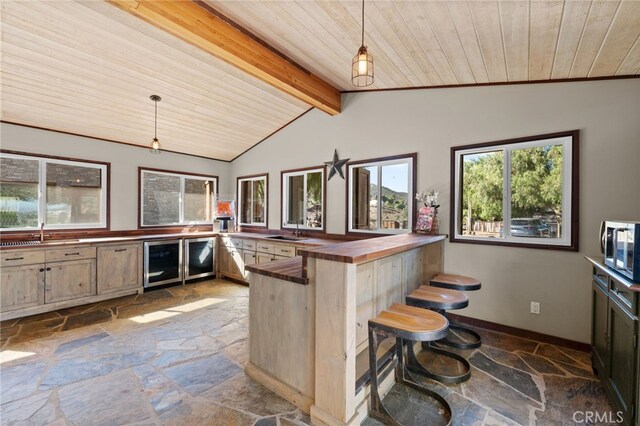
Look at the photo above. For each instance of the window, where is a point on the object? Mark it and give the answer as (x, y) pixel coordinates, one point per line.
(252, 200)
(381, 194)
(62, 194)
(517, 192)
(303, 199)
(174, 198)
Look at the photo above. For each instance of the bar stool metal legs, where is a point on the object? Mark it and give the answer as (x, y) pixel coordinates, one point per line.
(378, 410)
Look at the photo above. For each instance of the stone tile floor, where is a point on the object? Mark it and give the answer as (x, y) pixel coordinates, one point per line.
(175, 356)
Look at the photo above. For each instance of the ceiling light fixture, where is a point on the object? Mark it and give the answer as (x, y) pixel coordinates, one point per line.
(362, 64)
(155, 145)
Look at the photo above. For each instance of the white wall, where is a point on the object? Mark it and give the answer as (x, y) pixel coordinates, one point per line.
(430, 122)
(124, 160)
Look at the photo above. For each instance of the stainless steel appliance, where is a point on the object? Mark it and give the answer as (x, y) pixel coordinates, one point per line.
(162, 262)
(199, 257)
(621, 243)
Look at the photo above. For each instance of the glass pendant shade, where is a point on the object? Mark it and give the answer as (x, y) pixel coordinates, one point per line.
(155, 146)
(362, 68)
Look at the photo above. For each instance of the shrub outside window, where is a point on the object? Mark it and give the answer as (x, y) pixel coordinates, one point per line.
(303, 199)
(252, 200)
(519, 192)
(62, 194)
(381, 195)
(175, 198)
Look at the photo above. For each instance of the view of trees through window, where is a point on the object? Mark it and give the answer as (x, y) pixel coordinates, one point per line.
(67, 194)
(535, 199)
(304, 199)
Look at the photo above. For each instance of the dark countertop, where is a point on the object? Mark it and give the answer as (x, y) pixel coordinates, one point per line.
(102, 240)
(310, 242)
(285, 269)
(370, 249)
(598, 262)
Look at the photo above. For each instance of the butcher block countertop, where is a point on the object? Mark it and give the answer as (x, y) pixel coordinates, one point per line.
(286, 269)
(370, 249)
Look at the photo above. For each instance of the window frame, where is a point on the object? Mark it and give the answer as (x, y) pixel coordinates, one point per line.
(570, 200)
(284, 200)
(105, 179)
(410, 159)
(252, 178)
(183, 176)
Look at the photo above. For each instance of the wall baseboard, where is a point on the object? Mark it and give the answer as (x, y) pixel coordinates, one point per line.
(519, 332)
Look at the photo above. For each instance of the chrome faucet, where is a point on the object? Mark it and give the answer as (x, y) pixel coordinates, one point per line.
(297, 232)
(42, 234)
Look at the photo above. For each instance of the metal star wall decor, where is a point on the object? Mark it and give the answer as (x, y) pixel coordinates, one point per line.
(336, 165)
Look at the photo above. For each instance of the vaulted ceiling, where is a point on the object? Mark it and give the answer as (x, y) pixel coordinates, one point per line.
(88, 67)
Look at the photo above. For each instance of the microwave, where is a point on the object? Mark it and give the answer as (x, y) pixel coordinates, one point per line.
(621, 248)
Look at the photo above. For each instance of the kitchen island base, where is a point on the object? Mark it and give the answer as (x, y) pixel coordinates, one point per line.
(306, 340)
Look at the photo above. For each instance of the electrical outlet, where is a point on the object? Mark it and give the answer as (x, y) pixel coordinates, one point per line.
(535, 308)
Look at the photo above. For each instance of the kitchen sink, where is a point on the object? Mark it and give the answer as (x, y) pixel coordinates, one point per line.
(285, 238)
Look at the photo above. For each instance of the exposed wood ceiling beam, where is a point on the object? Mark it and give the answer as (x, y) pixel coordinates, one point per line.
(195, 25)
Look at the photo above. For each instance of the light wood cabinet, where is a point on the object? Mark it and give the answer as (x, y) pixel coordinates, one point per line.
(70, 280)
(21, 287)
(265, 257)
(231, 262)
(119, 268)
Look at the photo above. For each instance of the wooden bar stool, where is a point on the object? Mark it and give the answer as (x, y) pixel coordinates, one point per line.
(403, 322)
(461, 283)
(438, 299)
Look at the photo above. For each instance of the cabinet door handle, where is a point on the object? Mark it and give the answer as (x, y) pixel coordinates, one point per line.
(121, 250)
(48, 269)
(41, 269)
(72, 254)
(16, 258)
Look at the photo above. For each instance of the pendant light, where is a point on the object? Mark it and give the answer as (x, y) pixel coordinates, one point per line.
(155, 145)
(362, 64)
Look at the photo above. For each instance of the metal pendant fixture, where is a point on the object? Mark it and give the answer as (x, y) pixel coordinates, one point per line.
(362, 64)
(155, 145)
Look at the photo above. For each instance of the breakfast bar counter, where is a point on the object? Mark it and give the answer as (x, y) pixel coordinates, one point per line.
(308, 318)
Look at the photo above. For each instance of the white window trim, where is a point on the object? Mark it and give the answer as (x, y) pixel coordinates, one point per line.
(567, 166)
(182, 177)
(266, 194)
(42, 191)
(285, 198)
(379, 164)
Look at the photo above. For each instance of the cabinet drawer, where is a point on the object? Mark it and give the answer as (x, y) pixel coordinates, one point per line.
(249, 244)
(16, 258)
(600, 277)
(288, 251)
(75, 253)
(265, 247)
(232, 242)
(622, 294)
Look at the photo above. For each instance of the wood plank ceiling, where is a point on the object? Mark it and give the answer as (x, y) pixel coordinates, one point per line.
(430, 43)
(88, 67)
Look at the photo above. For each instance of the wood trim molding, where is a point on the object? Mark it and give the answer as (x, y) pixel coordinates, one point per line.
(501, 83)
(519, 332)
(575, 192)
(109, 140)
(251, 228)
(208, 32)
(173, 226)
(77, 160)
(414, 179)
(323, 168)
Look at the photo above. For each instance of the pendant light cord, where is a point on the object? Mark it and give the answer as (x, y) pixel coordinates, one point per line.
(362, 22)
(155, 131)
